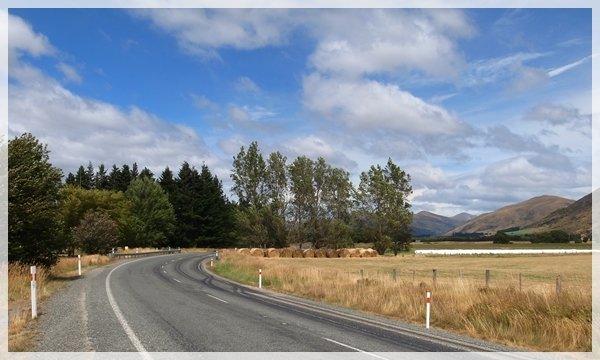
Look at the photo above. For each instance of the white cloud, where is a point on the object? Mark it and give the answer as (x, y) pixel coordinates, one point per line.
(562, 69)
(69, 72)
(350, 41)
(534, 174)
(313, 146)
(22, 38)
(502, 138)
(508, 70)
(245, 84)
(426, 175)
(202, 31)
(556, 114)
(239, 115)
(252, 118)
(367, 104)
(202, 102)
(505, 182)
(359, 42)
(78, 129)
(231, 145)
(527, 78)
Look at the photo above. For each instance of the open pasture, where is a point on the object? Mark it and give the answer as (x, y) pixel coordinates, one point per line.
(533, 316)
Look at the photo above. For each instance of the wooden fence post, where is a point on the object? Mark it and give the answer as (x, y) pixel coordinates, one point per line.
(487, 278)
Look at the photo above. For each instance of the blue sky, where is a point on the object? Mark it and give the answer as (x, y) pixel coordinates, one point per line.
(483, 107)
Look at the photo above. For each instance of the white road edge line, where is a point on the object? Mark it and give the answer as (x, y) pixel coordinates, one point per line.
(216, 298)
(130, 334)
(177, 280)
(355, 349)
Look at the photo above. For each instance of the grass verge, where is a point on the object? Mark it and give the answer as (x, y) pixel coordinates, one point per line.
(536, 318)
(20, 325)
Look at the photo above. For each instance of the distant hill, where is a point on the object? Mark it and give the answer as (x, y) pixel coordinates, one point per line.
(574, 219)
(517, 215)
(463, 218)
(426, 223)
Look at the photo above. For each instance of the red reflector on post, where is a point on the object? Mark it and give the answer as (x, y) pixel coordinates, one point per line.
(428, 299)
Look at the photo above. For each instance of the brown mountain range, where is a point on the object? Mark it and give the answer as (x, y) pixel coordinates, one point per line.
(574, 219)
(518, 215)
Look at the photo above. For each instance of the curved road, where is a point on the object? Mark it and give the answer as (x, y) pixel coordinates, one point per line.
(171, 303)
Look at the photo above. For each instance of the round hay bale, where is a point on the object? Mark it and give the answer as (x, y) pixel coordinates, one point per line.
(287, 252)
(320, 253)
(372, 253)
(257, 252)
(354, 253)
(308, 253)
(331, 253)
(363, 253)
(344, 253)
(272, 253)
(297, 253)
(244, 251)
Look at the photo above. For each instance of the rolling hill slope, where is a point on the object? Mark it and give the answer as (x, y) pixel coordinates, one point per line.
(426, 223)
(518, 215)
(575, 218)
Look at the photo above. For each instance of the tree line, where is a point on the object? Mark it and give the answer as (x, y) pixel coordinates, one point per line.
(277, 204)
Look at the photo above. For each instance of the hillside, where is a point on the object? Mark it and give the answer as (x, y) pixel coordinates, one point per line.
(517, 215)
(426, 223)
(575, 218)
(463, 218)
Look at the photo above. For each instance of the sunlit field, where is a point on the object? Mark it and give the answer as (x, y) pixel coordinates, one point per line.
(527, 311)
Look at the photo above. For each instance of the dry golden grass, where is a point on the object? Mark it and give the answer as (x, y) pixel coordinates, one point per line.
(20, 331)
(535, 318)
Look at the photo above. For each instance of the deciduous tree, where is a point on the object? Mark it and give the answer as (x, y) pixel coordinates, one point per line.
(382, 200)
(33, 194)
(97, 233)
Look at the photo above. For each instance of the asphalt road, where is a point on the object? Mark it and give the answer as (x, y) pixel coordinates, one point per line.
(171, 303)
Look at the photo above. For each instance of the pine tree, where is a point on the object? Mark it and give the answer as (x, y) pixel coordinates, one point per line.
(89, 176)
(80, 178)
(215, 212)
(152, 216)
(125, 178)
(101, 179)
(146, 173)
(186, 200)
(114, 178)
(134, 171)
(70, 180)
(167, 182)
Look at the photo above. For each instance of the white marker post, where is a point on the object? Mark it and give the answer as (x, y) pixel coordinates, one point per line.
(260, 278)
(428, 309)
(211, 262)
(79, 264)
(32, 270)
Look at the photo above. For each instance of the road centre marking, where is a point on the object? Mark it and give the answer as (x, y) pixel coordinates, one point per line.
(177, 280)
(355, 349)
